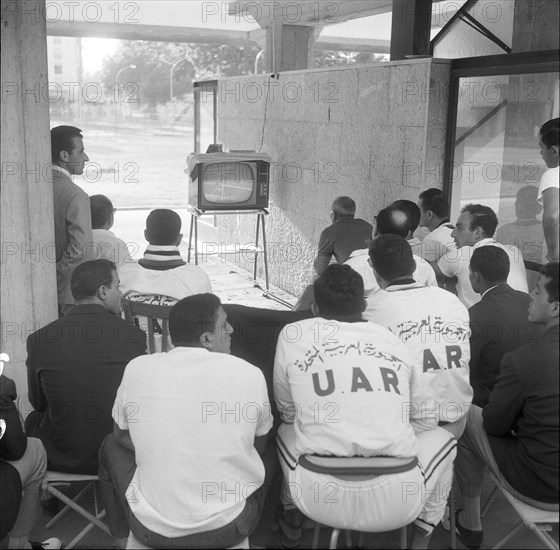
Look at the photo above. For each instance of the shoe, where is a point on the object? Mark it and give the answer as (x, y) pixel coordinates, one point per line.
(49, 544)
(290, 527)
(468, 537)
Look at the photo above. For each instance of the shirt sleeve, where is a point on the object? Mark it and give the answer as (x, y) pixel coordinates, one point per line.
(120, 407)
(265, 421)
(506, 400)
(35, 392)
(78, 220)
(450, 263)
(549, 179)
(324, 253)
(282, 391)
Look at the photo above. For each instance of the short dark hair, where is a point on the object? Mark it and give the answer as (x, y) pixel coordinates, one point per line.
(393, 220)
(89, 276)
(61, 140)
(192, 316)
(435, 200)
(550, 132)
(492, 262)
(339, 292)
(391, 256)
(483, 217)
(550, 270)
(101, 210)
(163, 227)
(344, 206)
(413, 212)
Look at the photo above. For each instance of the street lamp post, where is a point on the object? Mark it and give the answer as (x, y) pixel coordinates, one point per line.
(132, 66)
(171, 77)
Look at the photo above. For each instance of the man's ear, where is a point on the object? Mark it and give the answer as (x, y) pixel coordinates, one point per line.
(414, 265)
(179, 239)
(554, 309)
(364, 305)
(63, 156)
(315, 309)
(102, 293)
(146, 235)
(206, 340)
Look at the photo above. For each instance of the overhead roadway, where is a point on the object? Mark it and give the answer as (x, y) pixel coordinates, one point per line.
(317, 14)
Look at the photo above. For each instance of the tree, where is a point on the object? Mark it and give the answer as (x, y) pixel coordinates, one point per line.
(154, 60)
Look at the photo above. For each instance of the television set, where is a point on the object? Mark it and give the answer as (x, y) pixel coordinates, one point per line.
(228, 181)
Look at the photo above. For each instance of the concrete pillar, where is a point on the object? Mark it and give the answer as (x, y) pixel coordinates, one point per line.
(27, 273)
(288, 47)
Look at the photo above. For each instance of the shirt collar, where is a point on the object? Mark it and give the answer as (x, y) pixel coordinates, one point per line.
(485, 242)
(63, 170)
(487, 291)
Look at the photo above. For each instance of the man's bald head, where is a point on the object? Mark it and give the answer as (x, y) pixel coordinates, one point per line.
(343, 206)
(393, 220)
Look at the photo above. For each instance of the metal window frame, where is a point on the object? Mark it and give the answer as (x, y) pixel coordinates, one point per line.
(546, 61)
(200, 87)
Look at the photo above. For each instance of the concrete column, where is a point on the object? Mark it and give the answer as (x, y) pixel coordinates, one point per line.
(288, 47)
(27, 273)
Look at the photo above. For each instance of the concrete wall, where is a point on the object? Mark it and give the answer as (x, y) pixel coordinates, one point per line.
(27, 274)
(373, 132)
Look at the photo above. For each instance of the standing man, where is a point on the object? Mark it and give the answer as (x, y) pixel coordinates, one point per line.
(549, 142)
(72, 218)
(345, 235)
(434, 215)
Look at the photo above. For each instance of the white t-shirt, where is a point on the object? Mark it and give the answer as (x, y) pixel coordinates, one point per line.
(434, 326)
(177, 283)
(549, 179)
(345, 387)
(358, 261)
(456, 264)
(193, 417)
(107, 246)
(437, 243)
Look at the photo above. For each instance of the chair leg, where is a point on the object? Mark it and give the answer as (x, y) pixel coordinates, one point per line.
(403, 537)
(361, 540)
(348, 538)
(83, 532)
(316, 530)
(547, 540)
(509, 536)
(334, 538)
(66, 509)
(84, 513)
(452, 530)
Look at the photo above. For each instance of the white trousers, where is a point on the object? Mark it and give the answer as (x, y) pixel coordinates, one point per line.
(379, 504)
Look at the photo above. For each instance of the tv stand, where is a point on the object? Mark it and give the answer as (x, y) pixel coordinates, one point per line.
(261, 213)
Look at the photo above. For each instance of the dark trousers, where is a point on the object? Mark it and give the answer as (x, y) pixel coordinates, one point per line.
(116, 469)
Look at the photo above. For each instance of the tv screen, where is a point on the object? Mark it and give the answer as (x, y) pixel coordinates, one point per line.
(228, 182)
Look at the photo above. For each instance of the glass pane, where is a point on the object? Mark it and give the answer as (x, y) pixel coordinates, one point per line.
(496, 155)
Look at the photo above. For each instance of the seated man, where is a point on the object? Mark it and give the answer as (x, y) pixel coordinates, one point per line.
(106, 245)
(23, 464)
(392, 220)
(74, 367)
(516, 434)
(162, 276)
(342, 387)
(182, 467)
(499, 322)
(434, 215)
(413, 213)
(475, 227)
(345, 235)
(434, 327)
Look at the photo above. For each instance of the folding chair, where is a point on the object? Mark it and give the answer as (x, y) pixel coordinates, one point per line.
(57, 479)
(538, 520)
(355, 469)
(157, 319)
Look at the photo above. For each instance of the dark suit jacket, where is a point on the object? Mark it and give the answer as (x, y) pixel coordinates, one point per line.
(74, 367)
(499, 323)
(525, 400)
